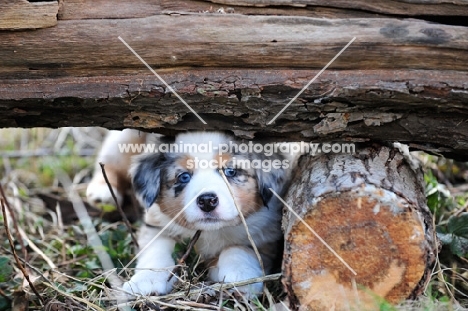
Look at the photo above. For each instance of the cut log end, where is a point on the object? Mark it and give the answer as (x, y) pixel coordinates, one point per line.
(381, 236)
(382, 241)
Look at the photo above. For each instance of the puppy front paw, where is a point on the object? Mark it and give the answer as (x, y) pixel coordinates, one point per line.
(235, 276)
(149, 282)
(238, 264)
(98, 193)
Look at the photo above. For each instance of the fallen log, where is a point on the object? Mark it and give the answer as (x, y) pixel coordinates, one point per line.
(400, 80)
(90, 47)
(370, 209)
(397, 7)
(22, 14)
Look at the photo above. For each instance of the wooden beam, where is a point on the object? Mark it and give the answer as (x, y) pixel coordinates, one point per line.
(206, 7)
(421, 107)
(401, 80)
(91, 47)
(22, 14)
(83, 9)
(400, 7)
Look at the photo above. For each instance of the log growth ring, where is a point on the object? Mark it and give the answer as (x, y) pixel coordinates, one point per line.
(377, 233)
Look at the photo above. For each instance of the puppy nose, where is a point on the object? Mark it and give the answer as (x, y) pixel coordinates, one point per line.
(207, 202)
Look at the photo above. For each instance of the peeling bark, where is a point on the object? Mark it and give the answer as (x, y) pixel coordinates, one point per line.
(414, 107)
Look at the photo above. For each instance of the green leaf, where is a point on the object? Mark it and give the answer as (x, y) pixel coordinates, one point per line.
(92, 264)
(6, 270)
(455, 234)
(445, 238)
(77, 287)
(459, 246)
(4, 304)
(458, 225)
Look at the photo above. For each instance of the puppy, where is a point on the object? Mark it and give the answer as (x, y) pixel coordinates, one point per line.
(184, 191)
(116, 164)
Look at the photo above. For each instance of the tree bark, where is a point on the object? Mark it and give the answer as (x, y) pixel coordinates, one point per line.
(400, 7)
(237, 67)
(357, 105)
(90, 47)
(370, 208)
(21, 14)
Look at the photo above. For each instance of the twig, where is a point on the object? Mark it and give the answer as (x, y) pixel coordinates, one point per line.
(197, 304)
(35, 248)
(220, 299)
(15, 223)
(222, 285)
(119, 208)
(86, 282)
(270, 299)
(12, 246)
(190, 246)
(93, 237)
(182, 307)
(88, 303)
(252, 242)
(197, 291)
(439, 271)
(184, 257)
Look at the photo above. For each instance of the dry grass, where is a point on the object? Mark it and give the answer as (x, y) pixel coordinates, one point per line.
(68, 274)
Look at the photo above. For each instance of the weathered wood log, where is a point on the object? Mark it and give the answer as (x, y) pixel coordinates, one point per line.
(200, 6)
(83, 9)
(370, 208)
(403, 7)
(92, 48)
(79, 74)
(424, 108)
(21, 14)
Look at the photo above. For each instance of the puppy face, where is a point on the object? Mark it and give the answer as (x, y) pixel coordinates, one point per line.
(182, 180)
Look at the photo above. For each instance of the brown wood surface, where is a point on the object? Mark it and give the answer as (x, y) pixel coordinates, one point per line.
(205, 7)
(91, 47)
(401, 79)
(115, 9)
(22, 14)
(424, 108)
(370, 208)
(403, 7)
(83, 9)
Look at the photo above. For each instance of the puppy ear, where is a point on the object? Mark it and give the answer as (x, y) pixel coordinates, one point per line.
(146, 177)
(274, 179)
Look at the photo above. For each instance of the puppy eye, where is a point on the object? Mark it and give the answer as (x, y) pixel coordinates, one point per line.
(184, 178)
(230, 172)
